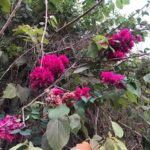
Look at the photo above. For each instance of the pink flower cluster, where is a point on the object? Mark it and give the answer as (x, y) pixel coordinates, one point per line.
(57, 96)
(122, 43)
(112, 78)
(7, 125)
(50, 67)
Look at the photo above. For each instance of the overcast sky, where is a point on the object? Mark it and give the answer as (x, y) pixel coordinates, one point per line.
(134, 5)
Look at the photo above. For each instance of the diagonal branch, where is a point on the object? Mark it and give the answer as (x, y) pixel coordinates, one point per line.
(77, 18)
(10, 18)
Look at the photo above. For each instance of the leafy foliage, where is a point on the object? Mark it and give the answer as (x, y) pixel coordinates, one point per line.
(85, 106)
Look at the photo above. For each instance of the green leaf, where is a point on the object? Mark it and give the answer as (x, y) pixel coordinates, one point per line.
(113, 144)
(92, 50)
(5, 6)
(75, 123)
(81, 69)
(135, 90)
(94, 142)
(44, 143)
(23, 93)
(119, 4)
(147, 78)
(15, 131)
(26, 132)
(147, 116)
(10, 91)
(117, 129)
(103, 39)
(16, 147)
(132, 98)
(58, 133)
(126, 2)
(58, 112)
(31, 147)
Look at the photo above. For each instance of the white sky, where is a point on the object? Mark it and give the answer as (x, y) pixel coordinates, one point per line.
(134, 5)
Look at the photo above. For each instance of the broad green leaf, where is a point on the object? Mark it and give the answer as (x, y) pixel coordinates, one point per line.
(94, 142)
(113, 144)
(44, 143)
(147, 78)
(75, 123)
(117, 129)
(23, 93)
(58, 112)
(135, 90)
(15, 131)
(92, 50)
(26, 132)
(126, 2)
(16, 147)
(102, 39)
(5, 6)
(120, 144)
(119, 4)
(109, 145)
(81, 69)
(132, 98)
(147, 116)
(58, 133)
(31, 147)
(10, 91)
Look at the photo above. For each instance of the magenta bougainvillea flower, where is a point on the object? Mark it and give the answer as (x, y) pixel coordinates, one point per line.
(40, 77)
(57, 96)
(112, 78)
(122, 43)
(64, 60)
(82, 92)
(53, 64)
(7, 125)
(139, 38)
(50, 67)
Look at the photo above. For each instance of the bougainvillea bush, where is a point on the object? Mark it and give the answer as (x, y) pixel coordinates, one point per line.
(73, 76)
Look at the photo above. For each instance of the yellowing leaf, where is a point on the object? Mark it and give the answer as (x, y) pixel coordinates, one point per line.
(117, 129)
(10, 91)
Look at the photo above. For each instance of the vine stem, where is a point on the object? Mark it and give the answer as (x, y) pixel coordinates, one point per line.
(45, 28)
(10, 18)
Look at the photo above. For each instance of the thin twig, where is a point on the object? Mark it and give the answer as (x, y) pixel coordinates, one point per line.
(14, 62)
(128, 19)
(10, 18)
(96, 119)
(45, 28)
(126, 126)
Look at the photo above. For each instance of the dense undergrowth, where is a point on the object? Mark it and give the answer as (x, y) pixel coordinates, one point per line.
(69, 77)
